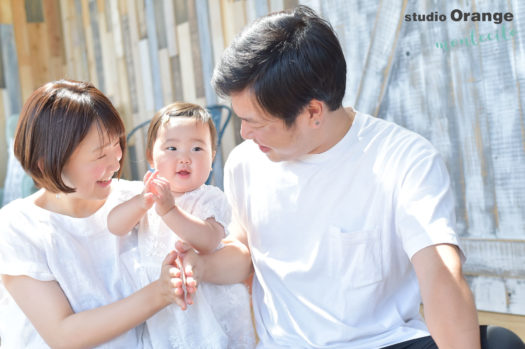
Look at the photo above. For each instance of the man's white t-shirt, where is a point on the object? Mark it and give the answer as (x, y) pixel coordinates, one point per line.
(331, 236)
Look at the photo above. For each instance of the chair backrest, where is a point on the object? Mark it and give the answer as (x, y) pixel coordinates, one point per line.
(220, 115)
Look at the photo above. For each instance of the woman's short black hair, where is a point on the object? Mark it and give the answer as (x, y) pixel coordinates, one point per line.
(287, 58)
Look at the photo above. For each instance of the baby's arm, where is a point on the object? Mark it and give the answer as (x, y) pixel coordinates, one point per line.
(125, 216)
(48, 309)
(202, 235)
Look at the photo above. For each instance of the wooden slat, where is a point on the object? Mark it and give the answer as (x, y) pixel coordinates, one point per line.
(205, 49)
(96, 37)
(195, 50)
(186, 62)
(154, 55)
(498, 258)
(82, 8)
(12, 100)
(147, 83)
(169, 20)
(34, 11)
(178, 90)
(2, 75)
(140, 114)
(165, 70)
(498, 294)
(214, 9)
(6, 16)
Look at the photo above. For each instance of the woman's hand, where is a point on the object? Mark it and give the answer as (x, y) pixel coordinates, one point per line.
(172, 282)
(189, 259)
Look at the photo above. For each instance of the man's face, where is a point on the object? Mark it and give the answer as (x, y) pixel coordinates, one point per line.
(274, 138)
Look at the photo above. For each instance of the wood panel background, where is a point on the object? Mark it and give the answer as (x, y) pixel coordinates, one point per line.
(468, 100)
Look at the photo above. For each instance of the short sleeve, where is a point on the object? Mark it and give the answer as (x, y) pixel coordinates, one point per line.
(425, 208)
(213, 204)
(23, 243)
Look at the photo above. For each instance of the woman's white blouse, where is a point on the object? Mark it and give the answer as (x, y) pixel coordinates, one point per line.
(78, 253)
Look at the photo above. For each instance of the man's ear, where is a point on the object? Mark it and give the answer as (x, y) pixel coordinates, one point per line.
(316, 109)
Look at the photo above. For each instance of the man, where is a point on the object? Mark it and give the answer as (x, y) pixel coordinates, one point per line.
(349, 219)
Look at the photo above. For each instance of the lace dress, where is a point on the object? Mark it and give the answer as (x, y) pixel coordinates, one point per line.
(220, 316)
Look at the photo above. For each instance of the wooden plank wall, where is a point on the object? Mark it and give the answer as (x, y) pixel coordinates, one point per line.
(468, 101)
(142, 54)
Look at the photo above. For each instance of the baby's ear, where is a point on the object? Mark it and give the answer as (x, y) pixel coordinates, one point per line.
(213, 155)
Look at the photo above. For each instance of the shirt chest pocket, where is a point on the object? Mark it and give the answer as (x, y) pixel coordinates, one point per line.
(354, 257)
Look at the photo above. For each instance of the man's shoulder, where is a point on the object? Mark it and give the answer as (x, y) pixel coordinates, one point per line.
(393, 137)
(243, 152)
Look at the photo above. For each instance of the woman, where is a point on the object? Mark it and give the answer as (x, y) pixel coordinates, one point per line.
(69, 279)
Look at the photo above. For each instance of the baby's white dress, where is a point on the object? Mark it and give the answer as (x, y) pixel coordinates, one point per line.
(220, 316)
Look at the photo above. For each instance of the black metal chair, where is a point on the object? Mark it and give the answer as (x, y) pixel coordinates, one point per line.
(220, 115)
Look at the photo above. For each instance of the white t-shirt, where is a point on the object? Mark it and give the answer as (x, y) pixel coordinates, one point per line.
(220, 316)
(79, 253)
(331, 236)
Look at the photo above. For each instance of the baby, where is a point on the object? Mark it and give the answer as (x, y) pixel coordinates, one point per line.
(181, 145)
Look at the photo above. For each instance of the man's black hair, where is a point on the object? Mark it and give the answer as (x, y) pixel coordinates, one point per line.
(287, 59)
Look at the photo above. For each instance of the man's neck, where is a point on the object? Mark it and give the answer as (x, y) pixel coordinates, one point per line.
(337, 123)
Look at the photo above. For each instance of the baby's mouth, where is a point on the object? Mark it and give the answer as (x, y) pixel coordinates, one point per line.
(183, 173)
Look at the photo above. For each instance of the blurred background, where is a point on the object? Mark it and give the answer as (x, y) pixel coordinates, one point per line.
(460, 84)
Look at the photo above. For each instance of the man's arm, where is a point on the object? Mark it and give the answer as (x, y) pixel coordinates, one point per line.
(48, 309)
(450, 312)
(228, 265)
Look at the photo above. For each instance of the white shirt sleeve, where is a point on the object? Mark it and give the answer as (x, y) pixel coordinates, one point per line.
(23, 243)
(213, 204)
(425, 207)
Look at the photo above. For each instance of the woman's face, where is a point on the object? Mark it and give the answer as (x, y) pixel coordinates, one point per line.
(92, 165)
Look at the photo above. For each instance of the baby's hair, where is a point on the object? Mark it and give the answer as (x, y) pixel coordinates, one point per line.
(179, 110)
(53, 122)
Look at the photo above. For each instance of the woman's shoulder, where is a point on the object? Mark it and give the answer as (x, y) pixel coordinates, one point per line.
(19, 210)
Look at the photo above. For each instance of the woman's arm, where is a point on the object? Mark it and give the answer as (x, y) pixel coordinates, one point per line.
(48, 309)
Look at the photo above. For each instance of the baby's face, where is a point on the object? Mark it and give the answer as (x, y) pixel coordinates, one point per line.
(182, 153)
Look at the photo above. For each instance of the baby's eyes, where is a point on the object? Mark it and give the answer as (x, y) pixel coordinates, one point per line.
(171, 148)
(197, 149)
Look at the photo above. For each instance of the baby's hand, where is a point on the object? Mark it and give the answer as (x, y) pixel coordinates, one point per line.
(163, 197)
(171, 281)
(147, 197)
